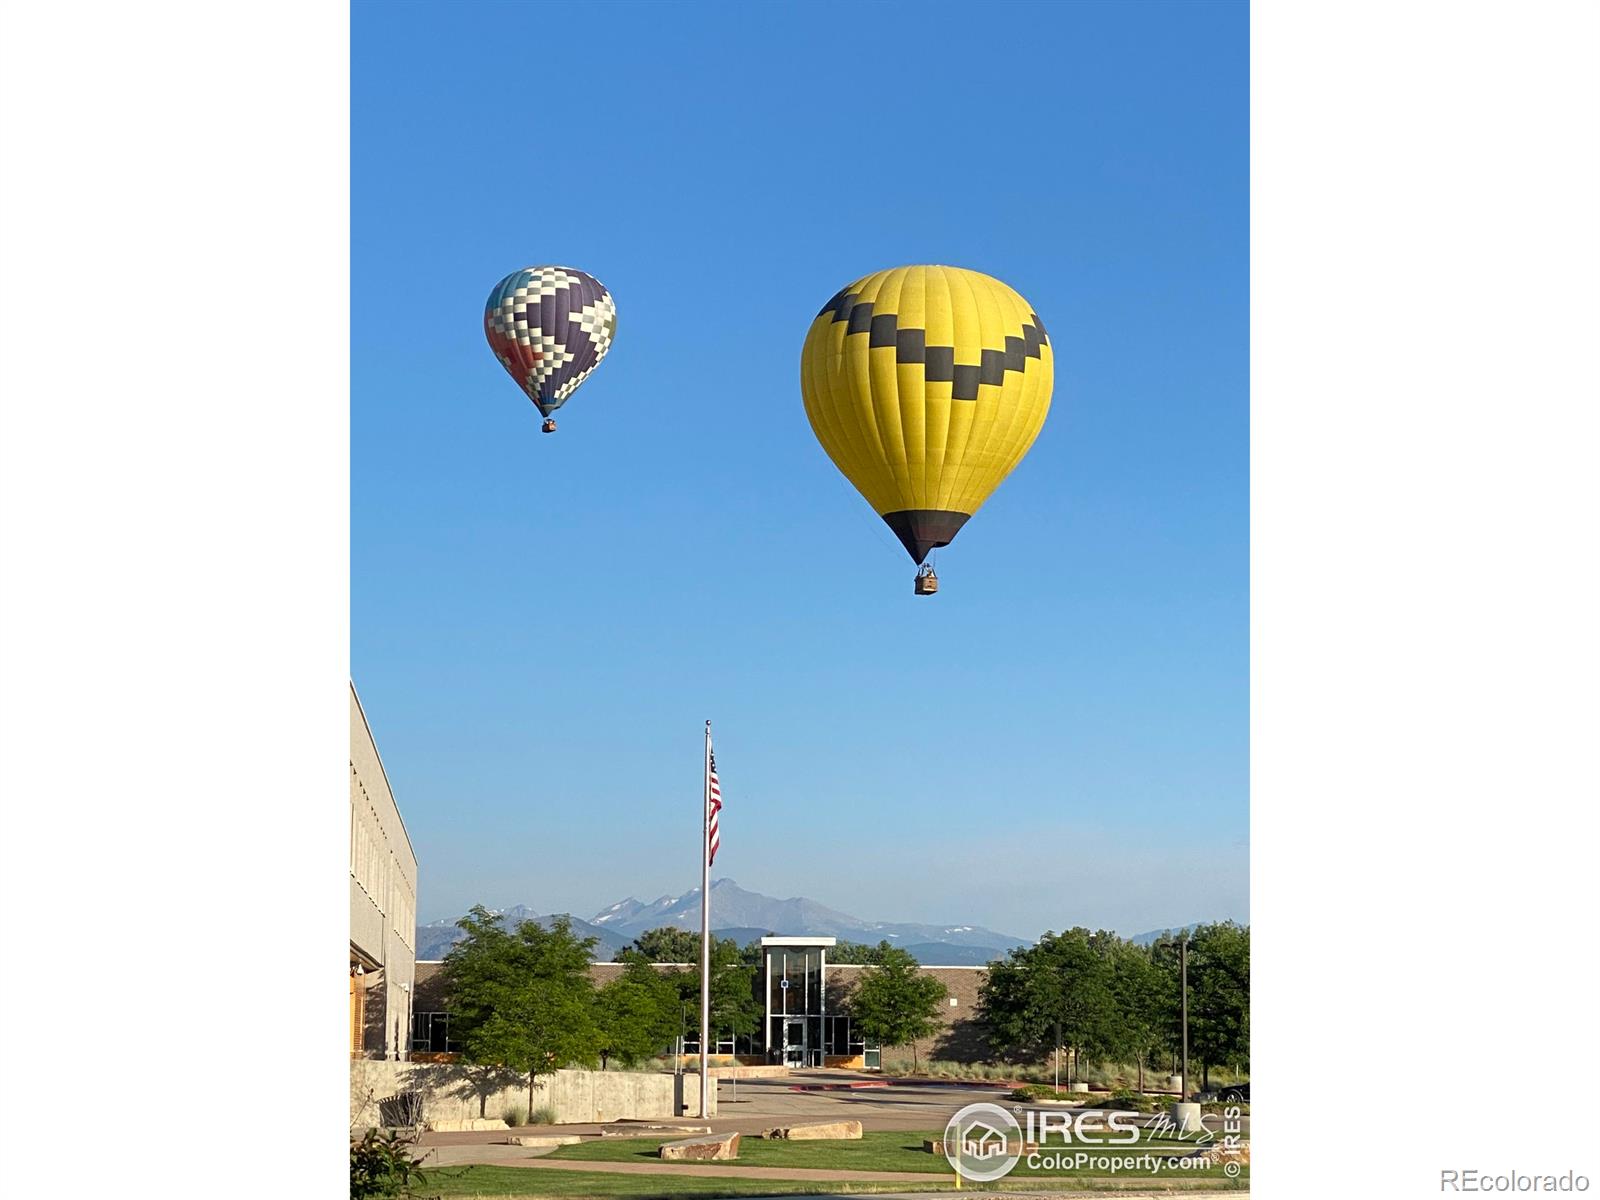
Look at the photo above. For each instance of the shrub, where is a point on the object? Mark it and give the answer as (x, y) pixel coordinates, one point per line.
(514, 1116)
(1120, 1100)
(545, 1115)
(1042, 1091)
(403, 1109)
(381, 1165)
(1127, 1100)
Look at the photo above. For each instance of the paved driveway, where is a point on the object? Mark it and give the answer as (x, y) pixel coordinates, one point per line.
(763, 1102)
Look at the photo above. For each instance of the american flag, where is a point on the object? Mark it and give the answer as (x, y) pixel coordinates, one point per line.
(714, 795)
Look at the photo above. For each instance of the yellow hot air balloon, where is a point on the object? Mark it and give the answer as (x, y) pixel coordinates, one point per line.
(926, 386)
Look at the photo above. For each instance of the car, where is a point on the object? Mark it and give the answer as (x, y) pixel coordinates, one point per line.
(1238, 1093)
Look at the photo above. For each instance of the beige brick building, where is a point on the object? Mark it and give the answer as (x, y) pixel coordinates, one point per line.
(383, 904)
(958, 1038)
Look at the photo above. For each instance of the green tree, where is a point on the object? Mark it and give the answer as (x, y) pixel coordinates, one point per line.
(1006, 1010)
(668, 945)
(894, 1003)
(860, 953)
(1144, 1000)
(735, 1011)
(1164, 956)
(638, 1012)
(521, 998)
(1056, 993)
(1219, 996)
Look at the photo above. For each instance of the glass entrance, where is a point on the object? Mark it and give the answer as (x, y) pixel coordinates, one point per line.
(796, 1028)
(794, 1042)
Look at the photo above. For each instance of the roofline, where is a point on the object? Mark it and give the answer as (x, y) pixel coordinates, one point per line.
(800, 941)
(378, 754)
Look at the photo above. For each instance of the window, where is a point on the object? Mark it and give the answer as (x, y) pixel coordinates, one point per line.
(430, 1032)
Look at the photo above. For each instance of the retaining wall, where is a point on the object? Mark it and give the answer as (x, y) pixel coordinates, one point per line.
(456, 1091)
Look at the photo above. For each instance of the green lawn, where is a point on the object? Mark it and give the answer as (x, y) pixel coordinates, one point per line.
(525, 1182)
(873, 1152)
(522, 1183)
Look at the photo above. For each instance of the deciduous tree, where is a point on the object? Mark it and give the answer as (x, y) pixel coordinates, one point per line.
(668, 945)
(860, 953)
(1144, 1001)
(522, 998)
(1219, 996)
(894, 1003)
(1054, 993)
(638, 1012)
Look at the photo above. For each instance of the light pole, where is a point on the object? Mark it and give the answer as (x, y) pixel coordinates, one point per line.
(1183, 972)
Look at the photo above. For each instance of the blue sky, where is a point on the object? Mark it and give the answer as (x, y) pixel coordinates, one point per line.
(540, 625)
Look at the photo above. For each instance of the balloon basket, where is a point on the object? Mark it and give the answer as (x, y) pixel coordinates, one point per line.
(926, 583)
(549, 426)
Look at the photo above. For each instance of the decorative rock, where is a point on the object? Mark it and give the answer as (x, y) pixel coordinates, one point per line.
(712, 1146)
(468, 1125)
(936, 1146)
(1223, 1152)
(1080, 1086)
(543, 1141)
(816, 1131)
(632, 1130)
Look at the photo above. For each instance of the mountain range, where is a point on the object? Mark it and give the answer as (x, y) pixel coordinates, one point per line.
(744, 915)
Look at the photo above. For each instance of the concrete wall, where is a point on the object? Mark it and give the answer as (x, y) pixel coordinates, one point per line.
(383, 896)
(453, 1091)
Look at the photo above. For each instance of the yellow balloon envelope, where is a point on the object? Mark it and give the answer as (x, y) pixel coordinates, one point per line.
(926, 386)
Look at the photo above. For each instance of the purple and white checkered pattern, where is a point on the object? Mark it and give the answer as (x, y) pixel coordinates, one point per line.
(550, 327)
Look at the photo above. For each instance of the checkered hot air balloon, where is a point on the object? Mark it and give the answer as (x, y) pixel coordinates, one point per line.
(549, 327)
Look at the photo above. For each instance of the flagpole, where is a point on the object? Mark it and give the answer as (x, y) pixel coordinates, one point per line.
(705, 934)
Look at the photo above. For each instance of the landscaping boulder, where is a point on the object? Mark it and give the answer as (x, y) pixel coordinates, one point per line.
(469, 1124)
(708, 1147)
(1221, 1153)
(547, 1141)
(936, 1146)
(635, 1128)
(816, 1131)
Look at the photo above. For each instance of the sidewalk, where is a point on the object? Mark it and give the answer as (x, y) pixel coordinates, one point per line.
(520, 1156)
